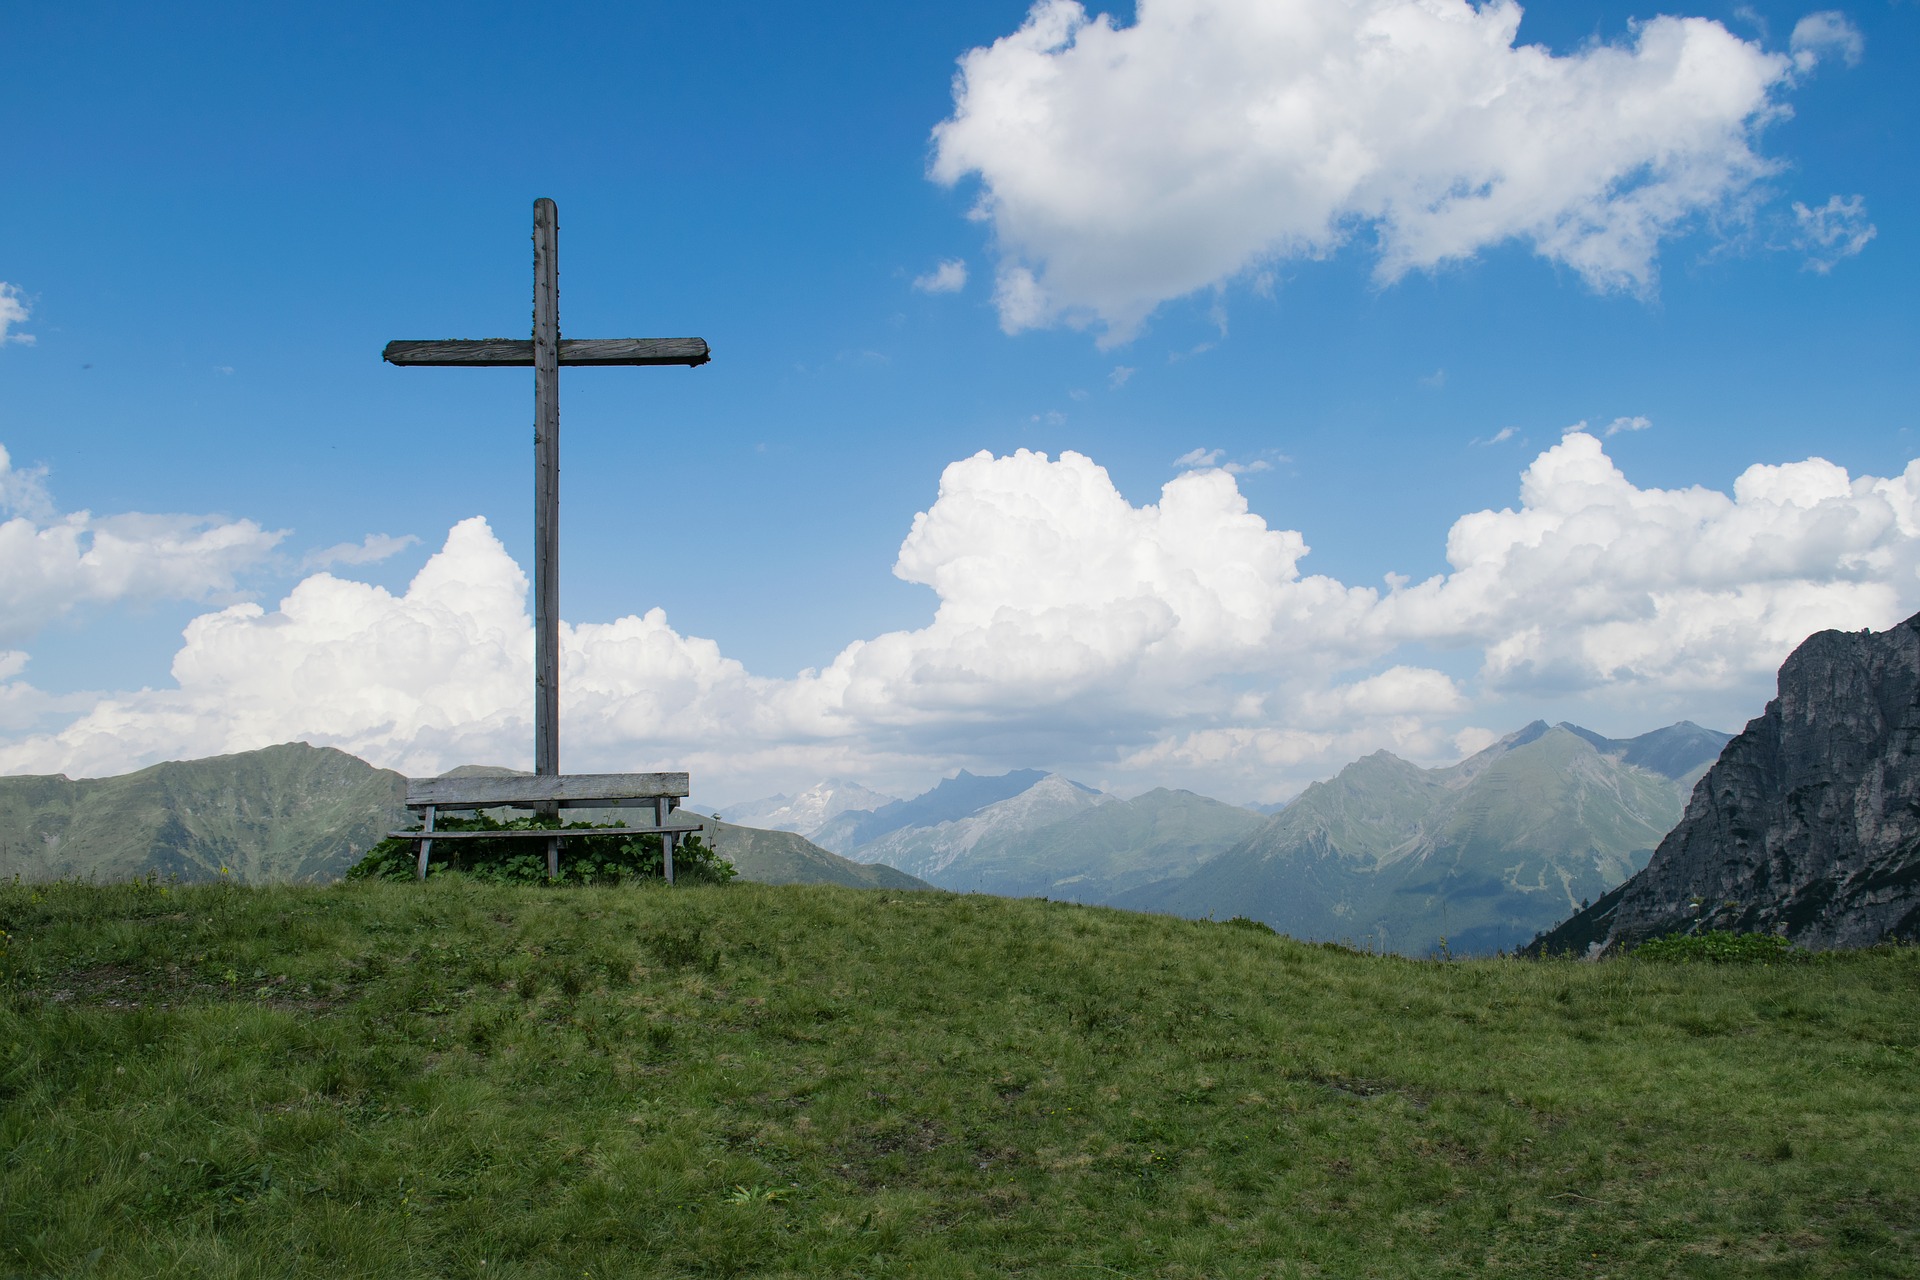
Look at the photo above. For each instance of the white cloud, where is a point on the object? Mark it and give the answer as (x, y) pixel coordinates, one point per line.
(372, 549)
(1827, 32)
(1501, 436)
(1837, 229)
(949, 277)
(1593, 583)
(51, 564)
(13, 311)
(1175, 642)
(1121, 167)
(1118, 378)
(1635, 423)
(23, 492)
(1194, 459)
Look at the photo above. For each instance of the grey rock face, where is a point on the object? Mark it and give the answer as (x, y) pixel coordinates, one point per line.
(1809, 823)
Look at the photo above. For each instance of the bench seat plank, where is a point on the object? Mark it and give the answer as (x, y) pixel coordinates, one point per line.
(672, 827)
(574, 790)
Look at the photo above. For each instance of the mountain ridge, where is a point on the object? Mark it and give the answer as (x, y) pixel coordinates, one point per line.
(1807, 825)
(1471, 857)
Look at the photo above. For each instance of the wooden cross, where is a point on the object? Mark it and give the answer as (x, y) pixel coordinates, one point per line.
(546, 353)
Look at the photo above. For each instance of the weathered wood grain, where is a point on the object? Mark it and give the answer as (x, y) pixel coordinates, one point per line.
(518, 352)
(678, 825)
(546, 493)
(577, 790)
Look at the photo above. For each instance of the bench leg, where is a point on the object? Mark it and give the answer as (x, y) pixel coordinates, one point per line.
(553, 858)
(426, 848)
(666, 854)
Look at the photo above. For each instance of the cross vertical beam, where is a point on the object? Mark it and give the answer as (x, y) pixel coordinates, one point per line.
(546, 489)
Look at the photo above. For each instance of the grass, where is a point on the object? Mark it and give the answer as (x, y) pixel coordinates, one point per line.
(492, 1081)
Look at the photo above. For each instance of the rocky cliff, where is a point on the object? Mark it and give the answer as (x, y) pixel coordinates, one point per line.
(1808, 824)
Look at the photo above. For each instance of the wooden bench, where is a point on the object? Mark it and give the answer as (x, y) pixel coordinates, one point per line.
(656, 794)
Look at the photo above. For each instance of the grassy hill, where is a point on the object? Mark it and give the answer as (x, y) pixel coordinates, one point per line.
(473, 1081)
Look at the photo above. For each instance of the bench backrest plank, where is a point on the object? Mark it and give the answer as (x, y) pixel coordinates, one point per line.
(577, 789)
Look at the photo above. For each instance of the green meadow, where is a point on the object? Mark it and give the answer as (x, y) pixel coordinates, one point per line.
(464, 1080)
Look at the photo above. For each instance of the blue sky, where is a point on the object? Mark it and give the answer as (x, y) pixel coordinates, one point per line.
(220, 214)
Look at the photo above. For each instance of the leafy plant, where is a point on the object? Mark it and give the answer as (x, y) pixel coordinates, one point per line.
(622, 854)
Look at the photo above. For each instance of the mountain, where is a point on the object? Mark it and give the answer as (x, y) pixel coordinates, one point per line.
(288, 813)
(1808, 824)
(1101, 850)
(786, 857)
(1480, 854)
(957, 797)
(928, 850)
(1030, 833)
(807, 812)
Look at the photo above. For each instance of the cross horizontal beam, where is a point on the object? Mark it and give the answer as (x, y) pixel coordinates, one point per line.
(519, 351)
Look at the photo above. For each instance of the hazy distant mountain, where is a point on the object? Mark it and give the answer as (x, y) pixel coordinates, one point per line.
(286, 813)
(1265, 810)
(928, 850)
(1484, 853)
(957, 797)
(807, 812)
(1029, 833)
(1103, 850)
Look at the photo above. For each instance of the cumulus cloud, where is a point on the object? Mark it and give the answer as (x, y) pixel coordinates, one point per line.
(1177, 641)
(1123, 166)
(1593, 582)
(1819, 35)
(13, 311)
(372, 549)
(949, 277)
(52, 563)
(1835, 230)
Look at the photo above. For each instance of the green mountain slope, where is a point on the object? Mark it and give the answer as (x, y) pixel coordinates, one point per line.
(1483, 854)
(1104, 851)
(786, 857)
(287, 813)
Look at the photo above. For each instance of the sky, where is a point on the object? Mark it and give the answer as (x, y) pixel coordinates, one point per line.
(1199, 393)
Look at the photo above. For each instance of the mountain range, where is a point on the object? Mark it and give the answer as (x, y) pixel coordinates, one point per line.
(1475, 857)
(290, 813)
